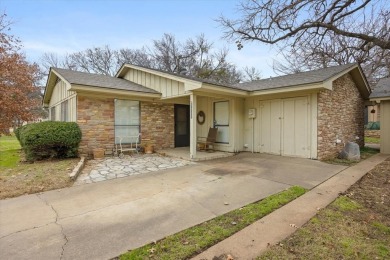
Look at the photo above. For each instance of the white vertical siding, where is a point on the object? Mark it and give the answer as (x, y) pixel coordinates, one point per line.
(167, 87)
(269, 135)
(385, 126)
(60, 94)
(236, 125)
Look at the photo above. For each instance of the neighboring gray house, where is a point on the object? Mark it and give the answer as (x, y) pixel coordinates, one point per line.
(381, 95)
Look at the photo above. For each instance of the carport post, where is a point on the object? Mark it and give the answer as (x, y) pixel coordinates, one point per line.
(193, 126)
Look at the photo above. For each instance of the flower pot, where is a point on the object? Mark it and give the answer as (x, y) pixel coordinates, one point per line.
(98, 153)
(149, 149)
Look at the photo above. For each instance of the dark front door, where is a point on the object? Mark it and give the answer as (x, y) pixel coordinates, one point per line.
(182, 125)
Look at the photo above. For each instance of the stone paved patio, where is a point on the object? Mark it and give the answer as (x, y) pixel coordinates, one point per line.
(111, 168)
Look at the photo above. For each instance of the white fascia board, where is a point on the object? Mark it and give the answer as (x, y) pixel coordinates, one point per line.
(50, 86)
(110, 91)
(379, 99)
(223, 90)
(287, 89)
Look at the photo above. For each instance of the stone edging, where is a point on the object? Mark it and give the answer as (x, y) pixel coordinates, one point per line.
(79, 167)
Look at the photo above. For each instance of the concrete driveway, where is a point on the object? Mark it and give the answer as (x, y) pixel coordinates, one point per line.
(105, 219)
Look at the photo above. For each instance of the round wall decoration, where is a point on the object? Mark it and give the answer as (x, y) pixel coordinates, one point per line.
(200, 117)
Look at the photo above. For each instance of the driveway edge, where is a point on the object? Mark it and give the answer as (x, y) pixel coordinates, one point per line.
(254, 239)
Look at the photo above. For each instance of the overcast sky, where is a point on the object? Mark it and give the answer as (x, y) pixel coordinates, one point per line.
(68, 26)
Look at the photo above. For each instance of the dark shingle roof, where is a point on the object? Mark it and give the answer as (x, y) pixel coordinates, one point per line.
(302, 78)
(185, 76)
(96, 80)
(382, 89)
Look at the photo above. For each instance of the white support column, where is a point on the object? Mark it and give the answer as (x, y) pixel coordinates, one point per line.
(193, 110)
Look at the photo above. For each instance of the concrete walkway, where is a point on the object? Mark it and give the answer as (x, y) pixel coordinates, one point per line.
(254, 239)
(104, 219)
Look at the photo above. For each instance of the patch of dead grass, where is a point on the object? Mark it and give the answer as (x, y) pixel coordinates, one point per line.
(354, 226)
(40, 176)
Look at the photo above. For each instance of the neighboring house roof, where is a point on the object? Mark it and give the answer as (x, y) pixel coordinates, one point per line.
(301, 78)
(103, 81)
(382, 89)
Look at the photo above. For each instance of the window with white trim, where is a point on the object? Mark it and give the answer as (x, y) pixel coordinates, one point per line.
(127, 120)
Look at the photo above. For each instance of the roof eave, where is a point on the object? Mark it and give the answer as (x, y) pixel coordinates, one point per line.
(358, 77)
(378, 99)
(50, 84)
(101, 90)
(305, 87)
(208, 87)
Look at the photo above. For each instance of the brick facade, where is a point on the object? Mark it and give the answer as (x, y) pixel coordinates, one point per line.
(340, 115)
(157, 124)
(95, 117)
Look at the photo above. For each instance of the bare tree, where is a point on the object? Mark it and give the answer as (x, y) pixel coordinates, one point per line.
(334, 50)
(275, 21)
(251, 74)
(195, 57)
(137, 57)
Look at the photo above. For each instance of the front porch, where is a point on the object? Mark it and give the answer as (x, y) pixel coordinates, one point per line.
(184, 153)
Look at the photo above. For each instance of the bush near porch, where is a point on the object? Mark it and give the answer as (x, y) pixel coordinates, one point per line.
(49, 140)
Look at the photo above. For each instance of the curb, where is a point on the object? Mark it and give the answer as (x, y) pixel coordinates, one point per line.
(76, 171)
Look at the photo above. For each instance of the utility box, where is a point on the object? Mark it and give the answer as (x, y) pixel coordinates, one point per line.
(252, 113)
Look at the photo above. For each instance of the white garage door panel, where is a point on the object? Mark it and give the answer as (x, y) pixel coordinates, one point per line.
(295, 127)
(270, 126)
(284, 127)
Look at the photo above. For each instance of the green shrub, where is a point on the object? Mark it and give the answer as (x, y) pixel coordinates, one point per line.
(373, 126)
(49, 140)
(18, 131)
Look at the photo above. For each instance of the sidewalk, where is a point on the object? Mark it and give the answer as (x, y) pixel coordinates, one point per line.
(254, 239)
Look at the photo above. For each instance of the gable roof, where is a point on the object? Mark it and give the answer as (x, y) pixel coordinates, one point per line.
(103, 81)
(286, 82)
(301, 78)
(382, 89)
(122, 71)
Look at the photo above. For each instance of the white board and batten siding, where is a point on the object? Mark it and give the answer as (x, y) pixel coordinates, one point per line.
(60, 95)
(232, 115)
(284, 126)
(167, 87)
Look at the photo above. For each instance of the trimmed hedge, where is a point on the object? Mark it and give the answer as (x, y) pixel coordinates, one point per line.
(49, 140)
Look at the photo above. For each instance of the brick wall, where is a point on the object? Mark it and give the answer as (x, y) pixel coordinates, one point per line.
(340, 114)
(157, 124)
(95, 117)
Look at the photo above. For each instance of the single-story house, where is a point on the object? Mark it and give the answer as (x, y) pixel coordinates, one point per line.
(381, 96)
(309, 114)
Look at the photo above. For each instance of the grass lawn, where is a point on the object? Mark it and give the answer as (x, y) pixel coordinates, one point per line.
(17, 178)
(194, 240)
(9, 151)
(365, 152)
(372, 140)
(355, 226)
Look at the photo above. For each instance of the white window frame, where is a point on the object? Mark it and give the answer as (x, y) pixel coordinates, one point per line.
(125, 139)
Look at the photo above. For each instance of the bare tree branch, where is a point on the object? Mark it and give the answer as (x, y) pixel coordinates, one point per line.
(275, 21)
